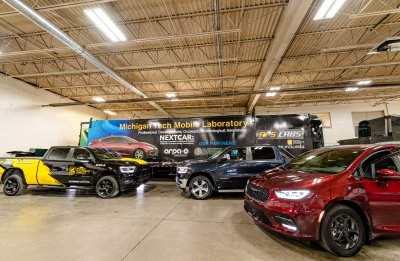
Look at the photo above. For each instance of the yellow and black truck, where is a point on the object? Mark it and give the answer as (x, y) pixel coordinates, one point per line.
(74, 167)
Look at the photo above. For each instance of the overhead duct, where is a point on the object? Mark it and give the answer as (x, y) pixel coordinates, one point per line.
(41, 21)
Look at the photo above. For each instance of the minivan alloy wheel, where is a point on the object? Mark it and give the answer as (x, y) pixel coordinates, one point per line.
(344, 231)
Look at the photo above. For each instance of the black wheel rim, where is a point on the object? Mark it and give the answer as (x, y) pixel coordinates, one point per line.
(345, 231)
(200, 188)
(105, 188)
(11, 186)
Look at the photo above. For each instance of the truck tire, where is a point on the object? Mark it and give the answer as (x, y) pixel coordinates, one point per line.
(342, 231)
(200, 187)
(107, 187)
(138, 154)
(14, 185)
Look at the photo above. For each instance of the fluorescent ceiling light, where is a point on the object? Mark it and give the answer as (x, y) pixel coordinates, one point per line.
(170, 94)
(175, 99)
(105, 24)
(270, 94)
(351, 89)
(328, 9)
(275, 88)
(98, 99)
(110, 112)
(364, 82)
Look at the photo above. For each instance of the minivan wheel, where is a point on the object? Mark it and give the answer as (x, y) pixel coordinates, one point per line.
(14, 185)
(342, 231)
(107, 187)
(200, 187)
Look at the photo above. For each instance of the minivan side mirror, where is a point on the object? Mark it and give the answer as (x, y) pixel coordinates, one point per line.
(388, 174)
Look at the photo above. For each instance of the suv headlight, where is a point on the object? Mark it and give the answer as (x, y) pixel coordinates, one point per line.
(292, 194)
(182, 170)
(130, 169)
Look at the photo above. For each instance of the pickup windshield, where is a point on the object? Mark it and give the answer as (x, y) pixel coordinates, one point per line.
(330, 161)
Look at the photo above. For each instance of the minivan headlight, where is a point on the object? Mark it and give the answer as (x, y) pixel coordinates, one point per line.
(292, 194)
(130, 169)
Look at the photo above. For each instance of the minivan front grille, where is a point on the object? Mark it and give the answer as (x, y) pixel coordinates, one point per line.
(257, 193)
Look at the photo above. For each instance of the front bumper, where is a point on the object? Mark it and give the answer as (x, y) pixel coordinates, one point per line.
(181, 183)
(133, 181)
(290, 219)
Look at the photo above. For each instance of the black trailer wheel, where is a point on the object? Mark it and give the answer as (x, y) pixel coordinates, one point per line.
(342, 231)
(107, 187)
(14, 185)
(200, 187)
(138, 154)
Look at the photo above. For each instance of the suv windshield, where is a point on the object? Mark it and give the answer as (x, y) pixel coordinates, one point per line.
(330, 161)
(217, 154)
(104, 153)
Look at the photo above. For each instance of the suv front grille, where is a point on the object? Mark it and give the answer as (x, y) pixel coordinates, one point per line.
(257, 193)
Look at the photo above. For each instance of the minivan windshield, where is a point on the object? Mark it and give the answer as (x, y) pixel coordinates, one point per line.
(329, 161)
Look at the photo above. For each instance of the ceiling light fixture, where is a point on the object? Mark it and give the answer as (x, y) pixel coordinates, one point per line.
(364, 82)
(170, 95)
(105, 24)
(110, 112)
(270, 94)
(328, 9)
(98, 99)
(275, 88)
(351, 89)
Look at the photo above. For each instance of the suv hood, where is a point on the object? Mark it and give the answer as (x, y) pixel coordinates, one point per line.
(289, 178)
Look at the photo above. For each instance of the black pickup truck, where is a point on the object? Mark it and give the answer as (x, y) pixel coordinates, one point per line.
(74, 167)
(229, 169)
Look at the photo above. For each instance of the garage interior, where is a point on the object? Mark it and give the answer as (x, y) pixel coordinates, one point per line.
(177, 59)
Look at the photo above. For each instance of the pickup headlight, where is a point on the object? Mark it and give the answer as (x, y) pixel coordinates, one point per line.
(292, 194)
(182, 170)
(130, 169)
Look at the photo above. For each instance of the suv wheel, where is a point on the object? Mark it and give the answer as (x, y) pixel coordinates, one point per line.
(107, 187)
(342, 231)
(200, 187)
(14, 185)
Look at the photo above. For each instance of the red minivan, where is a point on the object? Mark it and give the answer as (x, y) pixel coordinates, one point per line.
(341, 196)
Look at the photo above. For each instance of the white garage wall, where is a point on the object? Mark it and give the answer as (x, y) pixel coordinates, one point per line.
(25, 124)
(341, 116)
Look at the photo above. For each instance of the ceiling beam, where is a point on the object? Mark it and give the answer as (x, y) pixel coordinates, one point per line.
(290, 21)
(133, 68)
(59, 6)
(382, 12)
(226, 94)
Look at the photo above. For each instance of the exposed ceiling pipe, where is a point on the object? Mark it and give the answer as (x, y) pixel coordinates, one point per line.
(42, 22)
(218, 46)
(229, 94)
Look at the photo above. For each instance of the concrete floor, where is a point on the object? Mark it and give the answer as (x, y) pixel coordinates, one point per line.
(156, 222)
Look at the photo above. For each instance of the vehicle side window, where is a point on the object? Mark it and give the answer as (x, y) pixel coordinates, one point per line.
(392, 163)
(58, 154)
(263, 153)
(236, 154)
(122, 140)
(79, 151)
(365, 169)
(110, 139)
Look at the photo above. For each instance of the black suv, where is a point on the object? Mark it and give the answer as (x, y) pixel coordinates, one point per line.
(229, 169)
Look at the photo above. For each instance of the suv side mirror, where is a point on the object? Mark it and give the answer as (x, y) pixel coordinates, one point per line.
(83, 157)
(224, 157)
(388, 174)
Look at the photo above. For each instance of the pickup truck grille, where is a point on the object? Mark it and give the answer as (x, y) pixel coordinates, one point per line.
(257, 193)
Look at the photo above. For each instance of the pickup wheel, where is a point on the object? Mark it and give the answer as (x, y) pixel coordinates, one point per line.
(342, 231)
(14, 185)
(107, 187)
(200, 187)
